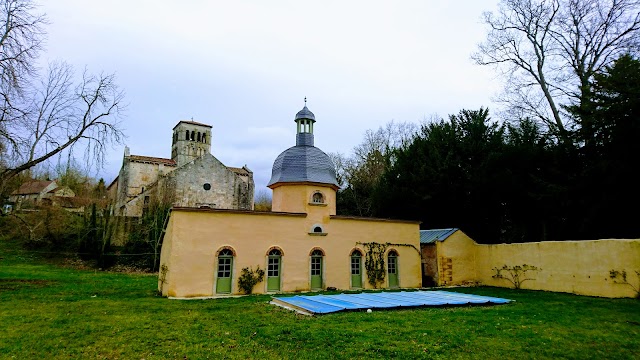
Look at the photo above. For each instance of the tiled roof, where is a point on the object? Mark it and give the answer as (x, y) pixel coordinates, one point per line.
(192, 123)
(431, 236)
(239, 171)
(32, 187)
(152, 160)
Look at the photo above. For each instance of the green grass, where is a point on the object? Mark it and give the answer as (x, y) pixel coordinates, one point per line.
(48, 311)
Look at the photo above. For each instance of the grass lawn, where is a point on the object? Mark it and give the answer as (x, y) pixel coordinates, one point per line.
(48, 311)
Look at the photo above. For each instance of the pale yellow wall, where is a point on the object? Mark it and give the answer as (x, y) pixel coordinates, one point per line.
(297, 198)
(456, 259)
(194, 236)
(579, 267)
(350, 231)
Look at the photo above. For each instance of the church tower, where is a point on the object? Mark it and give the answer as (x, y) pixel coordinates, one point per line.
(191, 140)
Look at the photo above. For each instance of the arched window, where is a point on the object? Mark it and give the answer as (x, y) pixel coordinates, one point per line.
(198, 136)
(356, 269)
(204, 138)
(186, 135)
(193, 135)
(317, 198)
(317, 229)
(274, 252)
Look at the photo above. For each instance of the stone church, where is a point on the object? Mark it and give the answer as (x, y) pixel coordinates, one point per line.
(193, 177)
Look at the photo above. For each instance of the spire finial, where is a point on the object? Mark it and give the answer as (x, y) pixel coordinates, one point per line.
(305, 101)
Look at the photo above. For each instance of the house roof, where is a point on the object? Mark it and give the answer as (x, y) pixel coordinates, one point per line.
(433, 235)
(152, 160)
(32, 187)
(58, 189)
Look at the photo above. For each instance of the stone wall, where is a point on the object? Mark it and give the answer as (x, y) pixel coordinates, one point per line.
(225, 189)
(134, 179)
(429, 264)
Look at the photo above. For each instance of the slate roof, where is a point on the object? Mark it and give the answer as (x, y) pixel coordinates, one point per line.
(152, 160)
(303, 163)
(305, 114)
(32, 187)
(431, 236)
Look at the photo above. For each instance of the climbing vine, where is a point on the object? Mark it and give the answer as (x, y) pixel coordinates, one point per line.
(516, 275)
(249, 278)
(164, 269)
(620, 277)
(374, 261)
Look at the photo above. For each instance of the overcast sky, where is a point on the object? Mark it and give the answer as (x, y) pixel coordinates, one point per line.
(244, 67)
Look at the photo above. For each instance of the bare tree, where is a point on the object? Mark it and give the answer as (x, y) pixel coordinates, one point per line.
(339, 161)
(44, 115)
(21, 41)
(262, 200)
(371, 157)
(359, 173)
(549, 50)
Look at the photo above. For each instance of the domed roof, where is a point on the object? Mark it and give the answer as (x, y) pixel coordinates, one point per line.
(303, 164)
(305, 114)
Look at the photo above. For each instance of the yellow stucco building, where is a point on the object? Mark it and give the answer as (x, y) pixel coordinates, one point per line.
(302, 244)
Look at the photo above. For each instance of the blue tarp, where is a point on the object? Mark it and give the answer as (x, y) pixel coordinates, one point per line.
(324, 304)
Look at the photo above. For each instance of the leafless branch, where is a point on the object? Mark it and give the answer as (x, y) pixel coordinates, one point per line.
(558, 45)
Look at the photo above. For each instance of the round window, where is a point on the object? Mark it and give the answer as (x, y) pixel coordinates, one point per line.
(207, 186)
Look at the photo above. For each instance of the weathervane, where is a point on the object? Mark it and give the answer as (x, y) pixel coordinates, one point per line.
(305, 101)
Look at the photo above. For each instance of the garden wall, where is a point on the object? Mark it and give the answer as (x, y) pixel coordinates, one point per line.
(579, 267)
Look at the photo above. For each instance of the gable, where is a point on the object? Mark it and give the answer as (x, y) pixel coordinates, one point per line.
(34, 187)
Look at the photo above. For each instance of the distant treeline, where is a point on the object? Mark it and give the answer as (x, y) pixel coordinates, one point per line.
(512, 181)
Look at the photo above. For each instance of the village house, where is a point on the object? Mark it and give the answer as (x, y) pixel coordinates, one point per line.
(39, 192)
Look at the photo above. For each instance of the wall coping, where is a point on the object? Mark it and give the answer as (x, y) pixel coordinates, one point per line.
(233, 211)
(344, 217)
